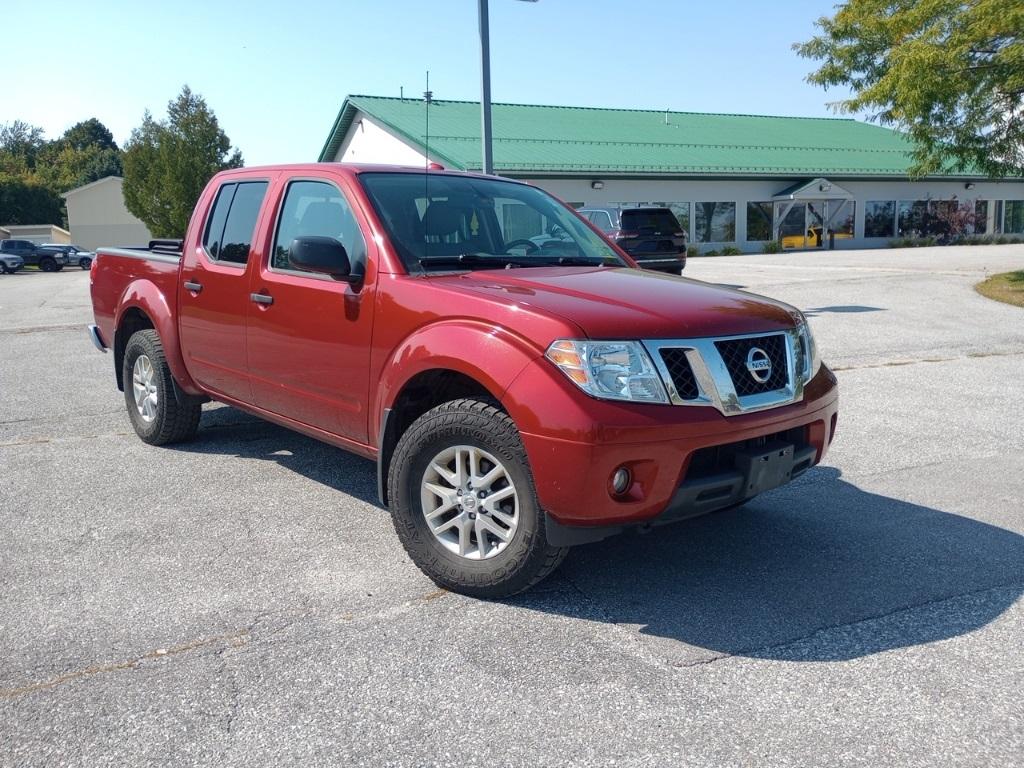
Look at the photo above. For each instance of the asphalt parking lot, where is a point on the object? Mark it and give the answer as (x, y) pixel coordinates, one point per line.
(243, 600)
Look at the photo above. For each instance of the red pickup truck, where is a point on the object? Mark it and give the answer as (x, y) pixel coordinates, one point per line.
(520, 392)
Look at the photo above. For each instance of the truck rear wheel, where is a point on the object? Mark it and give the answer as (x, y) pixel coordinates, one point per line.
(155, 413)
(464, 504)
(48, 264)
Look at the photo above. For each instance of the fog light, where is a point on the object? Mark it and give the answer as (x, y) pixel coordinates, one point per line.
(621, 480)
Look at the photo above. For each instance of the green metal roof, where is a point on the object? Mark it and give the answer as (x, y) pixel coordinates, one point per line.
(539, 140)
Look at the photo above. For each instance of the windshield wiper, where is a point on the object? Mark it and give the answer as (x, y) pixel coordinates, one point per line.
(579, 261)
(492, 260)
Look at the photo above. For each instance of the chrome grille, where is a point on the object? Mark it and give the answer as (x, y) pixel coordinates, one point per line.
(734, 354)
(681, 373)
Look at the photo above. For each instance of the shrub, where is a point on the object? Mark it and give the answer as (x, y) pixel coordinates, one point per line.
(730, 250)
(772, 246)
(692, 251)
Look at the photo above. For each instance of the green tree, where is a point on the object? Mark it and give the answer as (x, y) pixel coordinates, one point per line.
(89, 133)
(26, 202)
(948, 72)
(21, 143)
(167, 163)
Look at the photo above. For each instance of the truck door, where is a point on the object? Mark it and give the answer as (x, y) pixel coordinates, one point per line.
(213, 298)
(309, 334)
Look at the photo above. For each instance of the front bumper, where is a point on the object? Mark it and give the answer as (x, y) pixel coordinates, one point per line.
(575, 444)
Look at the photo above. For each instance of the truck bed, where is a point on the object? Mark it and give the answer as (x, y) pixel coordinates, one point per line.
(126, 277)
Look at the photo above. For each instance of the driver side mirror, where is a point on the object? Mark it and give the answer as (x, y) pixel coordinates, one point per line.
(322, 255)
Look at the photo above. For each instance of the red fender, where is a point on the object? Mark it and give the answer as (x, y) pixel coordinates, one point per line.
(144, 295)
(488, 354)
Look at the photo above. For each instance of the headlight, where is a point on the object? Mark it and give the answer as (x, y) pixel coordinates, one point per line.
(610, 370)
(810, 356)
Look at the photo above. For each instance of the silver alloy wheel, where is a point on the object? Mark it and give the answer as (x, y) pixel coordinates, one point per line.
(469, 502)
(144, 388)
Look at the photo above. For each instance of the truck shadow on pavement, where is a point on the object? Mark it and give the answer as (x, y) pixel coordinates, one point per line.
(816, 571)
(819, 570)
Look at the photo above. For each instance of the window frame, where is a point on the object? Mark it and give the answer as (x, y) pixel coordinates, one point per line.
(735, 218)
(235, 181)
(275, 223)
(770, 219)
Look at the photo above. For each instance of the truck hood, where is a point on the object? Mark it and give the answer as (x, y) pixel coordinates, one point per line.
(630, 303)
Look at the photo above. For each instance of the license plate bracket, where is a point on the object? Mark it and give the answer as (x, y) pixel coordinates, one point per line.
(765, 468)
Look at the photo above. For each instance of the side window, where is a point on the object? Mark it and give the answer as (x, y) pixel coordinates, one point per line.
(241, 221)
(229, 229)
(316, 208)
(602, 221)
(218, 215)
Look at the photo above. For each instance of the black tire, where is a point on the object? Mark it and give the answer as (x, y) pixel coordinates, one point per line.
(47, 264)
(4, 270)
(526, 559)
(173, 422)
(85, 263)
(58, 268)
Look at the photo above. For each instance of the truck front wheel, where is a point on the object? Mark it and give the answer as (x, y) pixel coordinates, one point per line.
(464, 505)
(155, 413)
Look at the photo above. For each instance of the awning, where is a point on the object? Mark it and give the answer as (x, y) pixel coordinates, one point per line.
(815, 189)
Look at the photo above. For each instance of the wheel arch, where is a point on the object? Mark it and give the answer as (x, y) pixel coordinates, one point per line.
(442, 361)
(143, 305)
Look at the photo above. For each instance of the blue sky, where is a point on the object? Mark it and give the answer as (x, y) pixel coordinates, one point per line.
(276, 72)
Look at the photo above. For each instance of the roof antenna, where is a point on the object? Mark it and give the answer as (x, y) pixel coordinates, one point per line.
(401, 92)
(666, 117)
(428, 97)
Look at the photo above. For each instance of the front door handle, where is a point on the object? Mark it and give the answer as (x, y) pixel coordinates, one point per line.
(261, 298)
(193, 286)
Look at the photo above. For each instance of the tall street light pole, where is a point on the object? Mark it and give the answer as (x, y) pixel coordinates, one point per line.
(485, 88)
(485, 85)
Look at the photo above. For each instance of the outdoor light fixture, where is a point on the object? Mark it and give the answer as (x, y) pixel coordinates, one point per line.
(969, 185)
(824, 187)
(597, 185)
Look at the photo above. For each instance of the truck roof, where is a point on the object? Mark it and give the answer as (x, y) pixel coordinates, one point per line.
(356, 168)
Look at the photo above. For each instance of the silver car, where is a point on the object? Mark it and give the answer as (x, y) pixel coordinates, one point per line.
(10, 264)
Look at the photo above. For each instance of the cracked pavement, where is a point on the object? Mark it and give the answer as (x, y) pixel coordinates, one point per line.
(242, 599)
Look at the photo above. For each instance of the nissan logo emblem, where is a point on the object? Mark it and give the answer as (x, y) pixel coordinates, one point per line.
(759, 365)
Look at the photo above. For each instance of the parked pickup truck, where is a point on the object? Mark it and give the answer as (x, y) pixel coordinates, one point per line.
(517, 400)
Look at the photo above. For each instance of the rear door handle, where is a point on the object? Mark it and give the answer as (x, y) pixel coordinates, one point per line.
(261, 298)
(196, 287)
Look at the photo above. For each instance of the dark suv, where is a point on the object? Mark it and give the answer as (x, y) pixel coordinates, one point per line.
(75, 254)
(33, 255)
(652, 236)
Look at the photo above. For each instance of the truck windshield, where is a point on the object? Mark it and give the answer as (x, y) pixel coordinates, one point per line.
(441, 222)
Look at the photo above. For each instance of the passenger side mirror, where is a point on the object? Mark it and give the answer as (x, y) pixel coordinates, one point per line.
(323, 255)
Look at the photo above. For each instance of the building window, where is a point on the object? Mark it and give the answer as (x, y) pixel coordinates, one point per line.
(682, 214)
(1013, 217)
(714, 222)
(759, 222)
(841, 222)
(880, 218)
(980, 217)
(912, 218)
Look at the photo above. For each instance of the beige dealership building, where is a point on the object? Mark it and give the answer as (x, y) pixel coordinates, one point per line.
(98, 217)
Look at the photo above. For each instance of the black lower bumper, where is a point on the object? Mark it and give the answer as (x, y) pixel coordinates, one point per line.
(755, 471)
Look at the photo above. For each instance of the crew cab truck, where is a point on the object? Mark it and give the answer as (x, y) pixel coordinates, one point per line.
(517, 399)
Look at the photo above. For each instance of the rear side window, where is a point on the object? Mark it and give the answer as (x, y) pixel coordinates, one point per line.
(657, 220)
(215, 224)
(232, 221)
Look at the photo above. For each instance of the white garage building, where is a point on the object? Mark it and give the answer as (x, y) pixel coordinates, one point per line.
(98, 217)
(733, 180)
